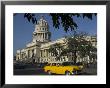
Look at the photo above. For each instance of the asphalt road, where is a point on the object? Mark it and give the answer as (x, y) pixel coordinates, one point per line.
(32, 69)
(40, 71)
(29, 71)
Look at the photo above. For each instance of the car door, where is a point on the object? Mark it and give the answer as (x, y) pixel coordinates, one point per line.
(60, 69)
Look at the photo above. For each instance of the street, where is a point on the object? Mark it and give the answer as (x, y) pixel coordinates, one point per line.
(40, 71)
(29, 71)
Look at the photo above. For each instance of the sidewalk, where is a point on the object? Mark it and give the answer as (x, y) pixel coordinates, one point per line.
(90, 70)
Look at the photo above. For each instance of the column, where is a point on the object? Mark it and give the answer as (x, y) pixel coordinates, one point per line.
(41, 35)
(47, 36)
(23, 55)
(40, 53)
(44, 35)
(26, 54)
(38, 36)
(47, 56)
(35, 52)
(30, 53)
(20, 55)
(43, 52)
(47, 53)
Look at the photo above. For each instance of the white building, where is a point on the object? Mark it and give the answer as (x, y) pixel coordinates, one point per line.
(38, 49)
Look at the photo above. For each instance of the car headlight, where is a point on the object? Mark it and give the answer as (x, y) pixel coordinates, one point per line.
(80, 67)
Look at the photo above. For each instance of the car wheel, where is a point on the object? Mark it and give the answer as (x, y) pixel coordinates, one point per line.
(76, 72)
(49, 72)
(67, 73)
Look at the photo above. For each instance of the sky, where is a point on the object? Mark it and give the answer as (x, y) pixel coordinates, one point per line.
(22, 29)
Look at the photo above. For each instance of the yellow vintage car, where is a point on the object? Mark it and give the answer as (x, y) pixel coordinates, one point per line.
(66, 68)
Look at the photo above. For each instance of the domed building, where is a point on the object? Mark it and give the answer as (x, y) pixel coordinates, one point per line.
(41, 33)
(38, 49)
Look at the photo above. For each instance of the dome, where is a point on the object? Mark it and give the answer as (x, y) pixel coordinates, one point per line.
(42, 22)
(41, 32)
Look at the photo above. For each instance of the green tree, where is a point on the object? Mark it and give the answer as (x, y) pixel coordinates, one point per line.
(79, 45)
(56, 49)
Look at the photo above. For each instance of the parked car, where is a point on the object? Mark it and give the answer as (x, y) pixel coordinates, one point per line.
(41, 65)
(67, 68)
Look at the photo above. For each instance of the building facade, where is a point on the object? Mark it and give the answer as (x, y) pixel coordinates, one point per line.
(38, 49)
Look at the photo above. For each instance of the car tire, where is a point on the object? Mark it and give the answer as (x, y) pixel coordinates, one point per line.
(49, 72)
(76, 72)
(67, 73)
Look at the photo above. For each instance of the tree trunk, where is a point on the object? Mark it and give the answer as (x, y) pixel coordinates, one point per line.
(75, 57)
